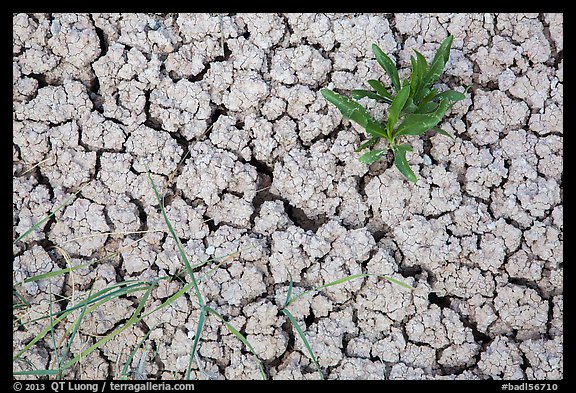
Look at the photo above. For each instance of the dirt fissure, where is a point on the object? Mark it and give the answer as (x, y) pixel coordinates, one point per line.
(292, 185)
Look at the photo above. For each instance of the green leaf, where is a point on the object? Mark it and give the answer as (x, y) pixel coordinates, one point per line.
(428, 107)
(428, 95)
(431, 94)
(435, 71)
(350, 109)
(397, 106)
(380, 89)
(124, 373)
(444, 49)
(401, 162)
(410, 107)
(439, 62)
(240, 337)
(354, 111)
(289, 293)
(196, 340)
(78, 321)
(413, 75)
(441, 131)
(131, 321)
(342, 280)
(23, 302)
(370, 142)
(388, 65)
(371, 156)
(421, 67)
(422, 63)
(451, 95)
(358, 94)
(397, 282)
(36, 372)
(375, 128)
(303, 337)
(345, 279)
(422, 92)
(176, 240)
(47, 217)
(419, 123)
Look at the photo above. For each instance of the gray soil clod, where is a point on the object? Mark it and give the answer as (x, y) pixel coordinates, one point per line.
(225, 111)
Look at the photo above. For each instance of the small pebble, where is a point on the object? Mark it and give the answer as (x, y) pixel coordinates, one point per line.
(427, 160)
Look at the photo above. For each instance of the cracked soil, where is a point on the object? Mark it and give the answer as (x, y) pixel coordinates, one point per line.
(225, 111)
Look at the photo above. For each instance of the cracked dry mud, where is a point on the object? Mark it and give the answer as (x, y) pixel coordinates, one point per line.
(267, 166)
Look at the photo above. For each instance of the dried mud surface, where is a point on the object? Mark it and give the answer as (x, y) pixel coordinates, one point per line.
(226, 112)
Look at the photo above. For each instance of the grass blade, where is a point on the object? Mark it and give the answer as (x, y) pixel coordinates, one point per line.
(177, 240)
(101, 295)
(23, 302)
(46, 218)
(393, 280)
(124, 373)
(59, 317)
(72, 336)
(241, 337)
(345, 279)
(36, 372)
(171, 299)
(133, 320)
(304, 340)
(190, 272)
(53, 273)
(336, 282)
(53, 336)
(289, 293)
(222, 259)
(196, 339)
(71, 269)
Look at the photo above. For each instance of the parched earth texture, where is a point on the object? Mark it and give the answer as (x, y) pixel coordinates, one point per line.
(225, 111)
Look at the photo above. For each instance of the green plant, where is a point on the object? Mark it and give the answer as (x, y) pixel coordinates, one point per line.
(415, 108)
(290, 299)
(63, 362)
(67, 323)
